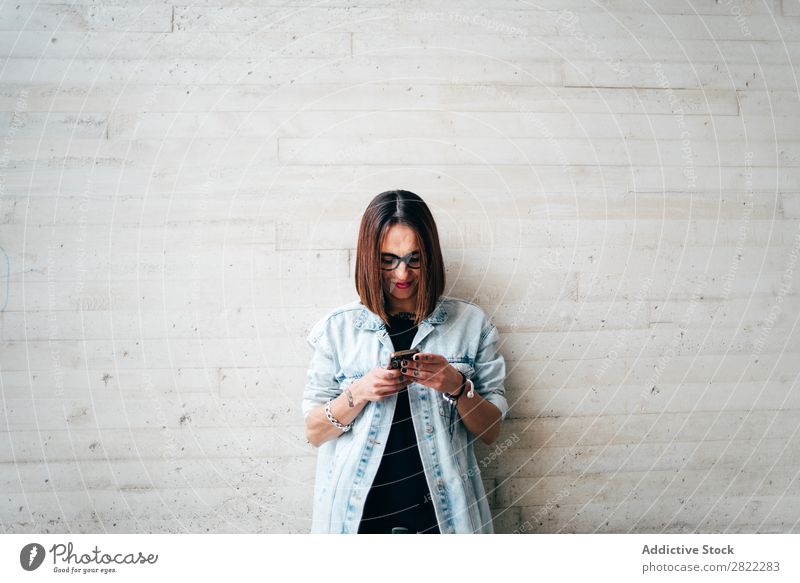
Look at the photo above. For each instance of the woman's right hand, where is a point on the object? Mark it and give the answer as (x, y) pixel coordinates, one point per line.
(378, 384)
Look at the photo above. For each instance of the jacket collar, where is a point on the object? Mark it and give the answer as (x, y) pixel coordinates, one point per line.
(369, 320)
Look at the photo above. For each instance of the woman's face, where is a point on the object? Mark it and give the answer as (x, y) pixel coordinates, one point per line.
(400, 240)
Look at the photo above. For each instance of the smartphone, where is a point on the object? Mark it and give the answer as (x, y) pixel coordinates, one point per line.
(400, 355)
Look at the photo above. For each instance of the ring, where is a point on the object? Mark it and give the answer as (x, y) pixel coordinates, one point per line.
(416, 373)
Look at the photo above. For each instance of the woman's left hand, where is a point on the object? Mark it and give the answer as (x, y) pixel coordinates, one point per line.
(432, 370)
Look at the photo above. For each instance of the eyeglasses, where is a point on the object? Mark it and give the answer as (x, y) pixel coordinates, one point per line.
(390, 261)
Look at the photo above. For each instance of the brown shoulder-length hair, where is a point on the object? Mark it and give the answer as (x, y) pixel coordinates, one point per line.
(385, 210)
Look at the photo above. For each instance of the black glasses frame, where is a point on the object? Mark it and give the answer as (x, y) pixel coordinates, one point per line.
(397, 260)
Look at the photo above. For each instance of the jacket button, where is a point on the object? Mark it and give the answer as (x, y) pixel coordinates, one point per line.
(428, 428)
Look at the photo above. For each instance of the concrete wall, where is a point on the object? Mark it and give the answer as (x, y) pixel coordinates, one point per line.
(181, 190)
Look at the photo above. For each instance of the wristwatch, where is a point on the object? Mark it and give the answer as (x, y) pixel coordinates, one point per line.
(466, 384)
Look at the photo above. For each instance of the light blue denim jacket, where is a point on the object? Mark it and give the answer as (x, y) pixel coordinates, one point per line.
(347, 343)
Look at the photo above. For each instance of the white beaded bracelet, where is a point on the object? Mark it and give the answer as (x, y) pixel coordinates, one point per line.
(332, 419)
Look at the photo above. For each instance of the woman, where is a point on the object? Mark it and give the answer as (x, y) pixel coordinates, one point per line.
(396, 446)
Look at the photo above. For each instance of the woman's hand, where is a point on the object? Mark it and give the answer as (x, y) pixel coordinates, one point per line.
(378, 384)
(432, 370)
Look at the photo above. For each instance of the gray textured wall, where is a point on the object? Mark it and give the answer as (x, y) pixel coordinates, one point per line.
(616, 184)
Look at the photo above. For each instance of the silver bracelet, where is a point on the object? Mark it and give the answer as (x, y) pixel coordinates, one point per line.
(332, 419)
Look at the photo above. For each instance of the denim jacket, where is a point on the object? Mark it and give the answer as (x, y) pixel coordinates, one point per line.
(346, 344)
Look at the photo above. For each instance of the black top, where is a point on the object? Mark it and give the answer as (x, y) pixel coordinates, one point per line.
(400, 496)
